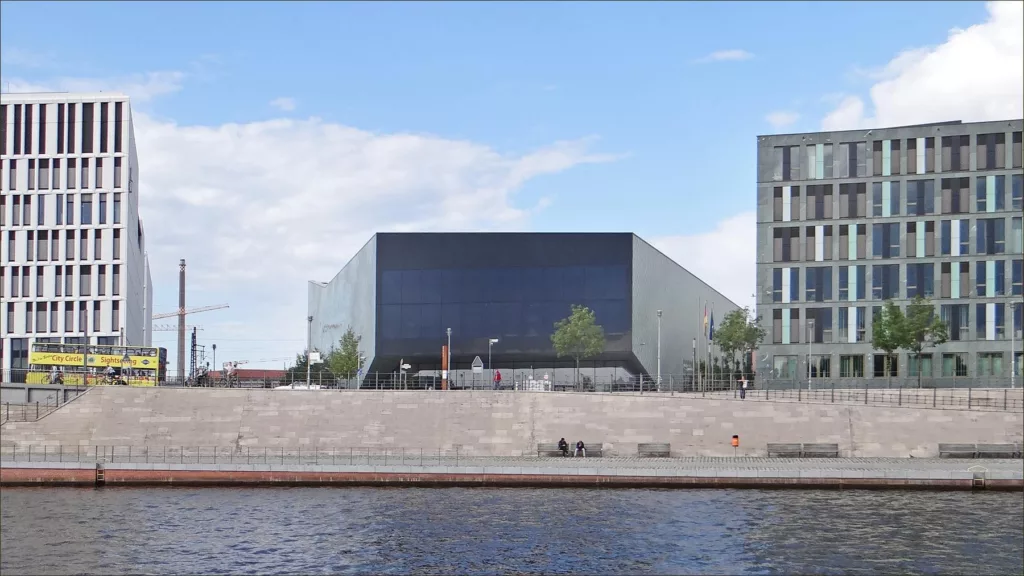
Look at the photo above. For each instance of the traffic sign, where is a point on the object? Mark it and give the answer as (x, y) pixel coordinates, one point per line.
(478, 365)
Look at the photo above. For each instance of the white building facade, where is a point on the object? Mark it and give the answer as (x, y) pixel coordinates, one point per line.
(73, 263)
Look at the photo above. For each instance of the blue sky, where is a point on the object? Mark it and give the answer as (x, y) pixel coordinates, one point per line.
(661, 135)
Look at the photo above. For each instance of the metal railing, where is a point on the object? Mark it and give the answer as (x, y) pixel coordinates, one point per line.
(989, 400)
(129, 454)
(560, 379)
(32, 412)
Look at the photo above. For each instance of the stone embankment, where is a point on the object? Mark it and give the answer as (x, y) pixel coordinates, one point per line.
(485, 423)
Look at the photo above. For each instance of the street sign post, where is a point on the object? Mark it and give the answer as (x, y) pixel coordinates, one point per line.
(478, 365)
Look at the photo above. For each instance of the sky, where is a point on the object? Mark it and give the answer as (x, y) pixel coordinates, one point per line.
(276, 138)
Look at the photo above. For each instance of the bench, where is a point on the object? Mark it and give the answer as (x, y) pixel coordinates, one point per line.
(654, 450)
(785, 450)
(594, 450)
(957, 450)
(820, 451)
(998, 450)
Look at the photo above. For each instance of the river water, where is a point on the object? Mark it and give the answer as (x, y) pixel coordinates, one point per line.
(501, 531)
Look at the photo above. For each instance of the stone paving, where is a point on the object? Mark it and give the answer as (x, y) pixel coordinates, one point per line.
(1013, 468)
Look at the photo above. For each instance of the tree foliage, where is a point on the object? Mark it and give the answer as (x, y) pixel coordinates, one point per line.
(739, 333)
(578, 336)
(913, 331)
(343, 361)
(297, 371)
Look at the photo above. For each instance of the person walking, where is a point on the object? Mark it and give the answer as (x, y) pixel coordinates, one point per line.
(743, 389)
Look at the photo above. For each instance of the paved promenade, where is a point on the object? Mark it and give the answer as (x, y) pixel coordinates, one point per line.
(924, 473)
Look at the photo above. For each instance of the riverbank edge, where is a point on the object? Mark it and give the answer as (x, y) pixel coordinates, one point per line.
(111, 475)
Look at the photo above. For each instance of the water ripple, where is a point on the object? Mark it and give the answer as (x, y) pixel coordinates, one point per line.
(502, 531)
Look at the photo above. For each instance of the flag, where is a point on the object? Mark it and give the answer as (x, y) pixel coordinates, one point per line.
(711, 328)
(705, 318)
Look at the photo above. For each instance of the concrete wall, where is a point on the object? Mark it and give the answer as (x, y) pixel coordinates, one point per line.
(659, 283)
(489, 423)
(348, 300)
(24, 394)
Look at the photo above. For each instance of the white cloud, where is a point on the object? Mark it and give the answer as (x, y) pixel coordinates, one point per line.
(724, 257)
(781, 118)
(976, 74)
(141, 87)
(725, 56)
(283, 103)
(25, 58)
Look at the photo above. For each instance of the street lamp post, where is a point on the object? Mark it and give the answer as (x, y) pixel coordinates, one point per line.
(1013, 344)
(214, 358)
(810, 350)
(490, 342)
(309, 350)
(449, 331)
(659, 350)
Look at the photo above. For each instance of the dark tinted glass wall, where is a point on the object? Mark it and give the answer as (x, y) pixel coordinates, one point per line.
(508, 286)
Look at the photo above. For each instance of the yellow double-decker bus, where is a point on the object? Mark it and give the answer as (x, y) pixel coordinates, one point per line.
(74, 365)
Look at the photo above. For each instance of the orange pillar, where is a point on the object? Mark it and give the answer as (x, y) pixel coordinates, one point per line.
(444, 367)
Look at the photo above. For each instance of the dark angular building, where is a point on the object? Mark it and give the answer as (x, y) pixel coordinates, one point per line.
(402, 292)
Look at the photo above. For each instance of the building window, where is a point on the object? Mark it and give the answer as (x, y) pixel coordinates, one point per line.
(954, 364)
(787, 163)
(12, 175)
(42, 247)
(956, 153)
(87, 129)
(852, 160)
(70, 209)
(58, 282)
(990, 364)
(85, 281)
(885, 240)
(920, 366)
(989, 278)
(1017, 278)
(31, 175)
(991, 151)
(10, 318)
(103, 208)
(821, 366)
(879, 365)
(26, 213)
(55, 246)
(101, 280)
(44, 174)
(853, 200)
(104, 131)
(115, 280)
(85, 174)
(69, 316)
(785, 367)
(16, 211)
(72, 175)
(56, 173)
(819, 202)
(957, 319)
(956, 195)
(786, 198)
(41, 324)
(30, 245)
(819, 325)
(991, 236)
(1016, 235)
(60, 210)
(69, 245)
(920, 280)
(28, 318)
(53, 317)
(99, 173)
(885, 281)
(115, 316)
(819, 283)
(15, 282)
(83, 317)
(97, 248)
(885, 199)
(69, 280)
(920, 197)
(96, 326)
(86, 209)
(991, 193)
(117, 172)
(117, 244)
(851, 366)
(117, 208)
(83, 245)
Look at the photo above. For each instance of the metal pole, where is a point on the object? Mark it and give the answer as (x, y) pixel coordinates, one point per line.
(1013, 344)
(659, 351)
(181, 321)
(810, 351)
(490, 344)
(309, 349)
(695, 374)
(449, 331)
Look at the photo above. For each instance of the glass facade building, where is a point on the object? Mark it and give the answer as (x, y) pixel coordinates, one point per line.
(404, 291)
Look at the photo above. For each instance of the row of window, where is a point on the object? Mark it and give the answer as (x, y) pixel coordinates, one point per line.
(922, 156)
(887, 282)
(892, 198)
(74, 126)
(492, 285)
(493, 320)
(44, 245)
(852, 324)
(951, 364)
(45, 173)
(63, 278)
(63, 209)
(819, 243)
(44, 317)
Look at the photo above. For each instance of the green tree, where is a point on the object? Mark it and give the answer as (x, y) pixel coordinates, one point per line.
(578, 336)
(739, 333)
(297, 371)
(922, 329)
(889, 332)
(343, 361)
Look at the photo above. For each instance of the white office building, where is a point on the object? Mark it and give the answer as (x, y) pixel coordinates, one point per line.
(73, 261)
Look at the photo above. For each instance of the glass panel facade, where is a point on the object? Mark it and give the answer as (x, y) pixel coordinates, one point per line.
(506, 303)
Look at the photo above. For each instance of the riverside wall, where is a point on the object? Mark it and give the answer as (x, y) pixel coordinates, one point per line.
(485, 423)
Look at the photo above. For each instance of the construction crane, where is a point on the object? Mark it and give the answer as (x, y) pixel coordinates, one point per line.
(172, 328)
(191, 311)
